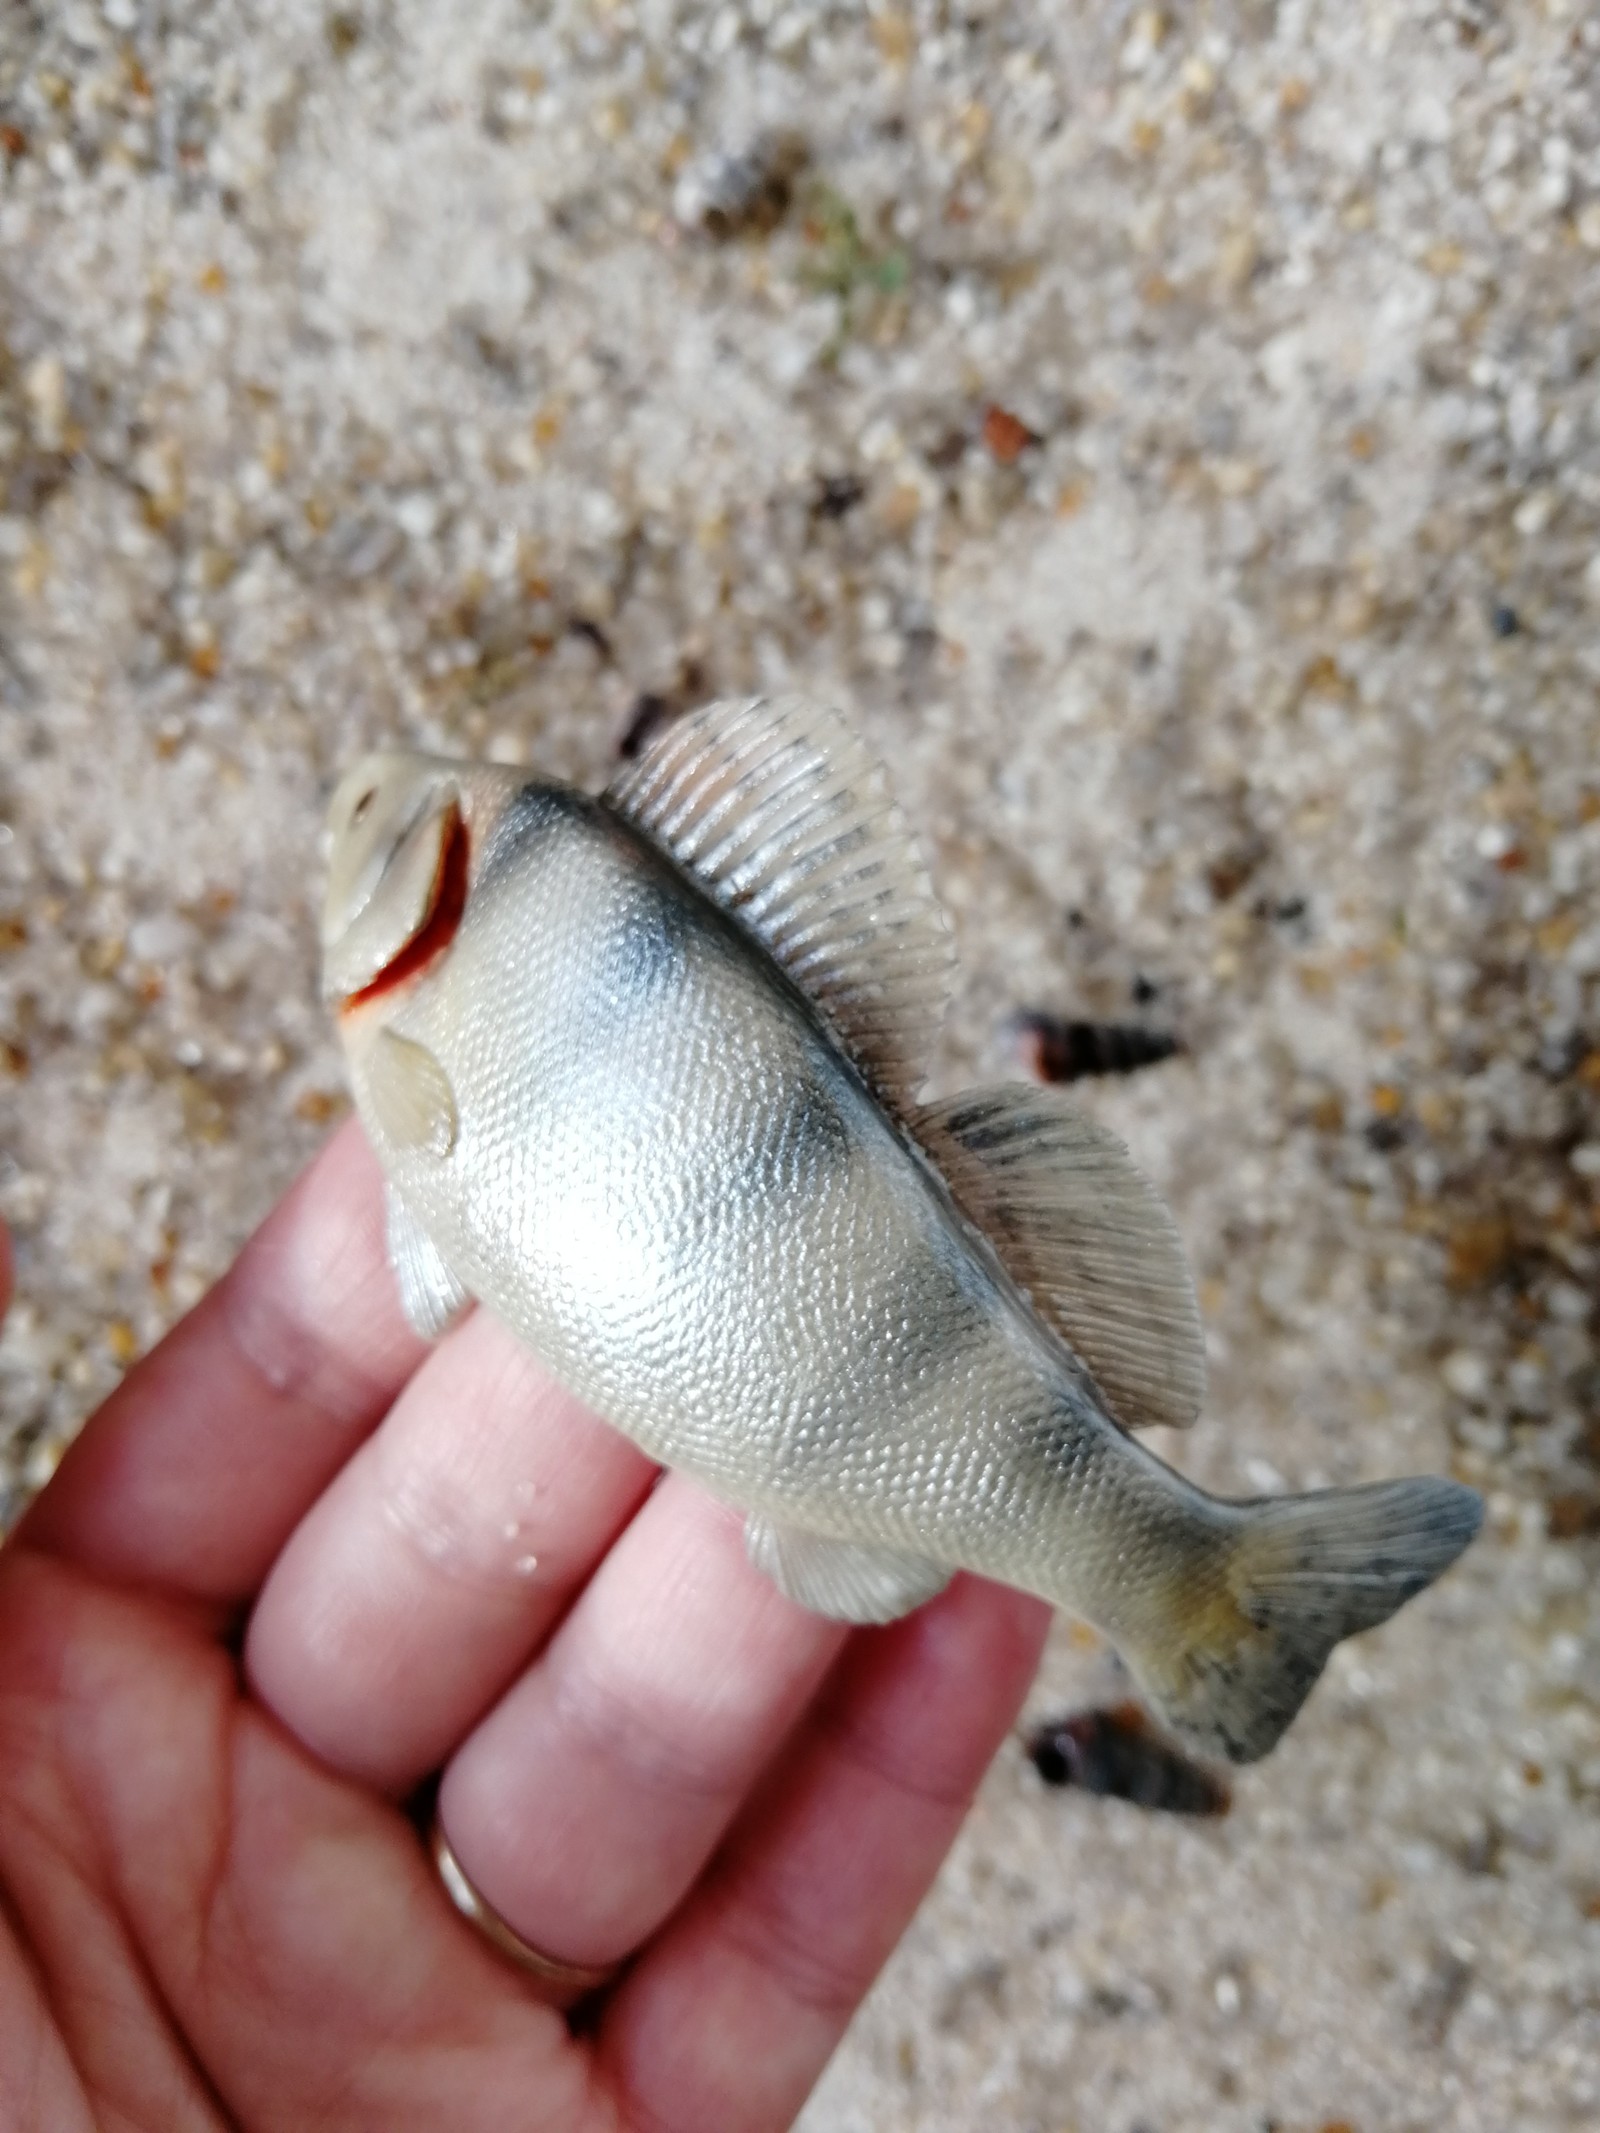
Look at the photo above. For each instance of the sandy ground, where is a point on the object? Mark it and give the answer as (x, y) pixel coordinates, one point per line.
(382, 371)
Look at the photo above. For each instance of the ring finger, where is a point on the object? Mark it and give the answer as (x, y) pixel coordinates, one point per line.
(586, 1804)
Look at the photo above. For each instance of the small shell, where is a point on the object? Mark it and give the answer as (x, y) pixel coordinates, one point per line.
(1117, 1754)
(723, 194)
(1054, 1049)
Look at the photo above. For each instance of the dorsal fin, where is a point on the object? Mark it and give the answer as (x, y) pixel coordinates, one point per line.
(1084, 1233)
(784, 816)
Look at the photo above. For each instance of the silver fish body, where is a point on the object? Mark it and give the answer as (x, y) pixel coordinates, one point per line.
(611, 1112)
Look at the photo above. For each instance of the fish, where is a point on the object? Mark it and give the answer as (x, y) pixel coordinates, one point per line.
(644, 1071)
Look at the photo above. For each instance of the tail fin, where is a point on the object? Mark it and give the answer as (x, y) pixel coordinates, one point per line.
(1301, 1572)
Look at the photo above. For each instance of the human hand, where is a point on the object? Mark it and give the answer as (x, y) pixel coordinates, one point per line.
(214, 1909)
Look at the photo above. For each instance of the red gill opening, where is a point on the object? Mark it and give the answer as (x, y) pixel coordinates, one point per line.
(447, 900)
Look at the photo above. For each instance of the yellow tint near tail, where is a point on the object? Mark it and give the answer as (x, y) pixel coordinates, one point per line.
(1301, 1573)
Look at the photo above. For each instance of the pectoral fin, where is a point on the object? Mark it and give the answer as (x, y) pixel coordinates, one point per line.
(409, 1094)
(430, 1294)
(839, 1578)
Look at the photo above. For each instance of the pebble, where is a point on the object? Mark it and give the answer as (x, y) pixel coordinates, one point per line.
(1467, 1375)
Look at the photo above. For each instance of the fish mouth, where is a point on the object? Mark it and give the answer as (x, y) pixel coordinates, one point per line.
(442, 913)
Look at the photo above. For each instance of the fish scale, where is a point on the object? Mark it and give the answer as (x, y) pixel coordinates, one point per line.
(649, 1094)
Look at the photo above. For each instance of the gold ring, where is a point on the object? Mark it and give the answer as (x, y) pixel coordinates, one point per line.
(571, 1981)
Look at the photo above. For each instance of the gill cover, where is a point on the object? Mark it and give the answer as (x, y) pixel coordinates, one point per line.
(396, 860)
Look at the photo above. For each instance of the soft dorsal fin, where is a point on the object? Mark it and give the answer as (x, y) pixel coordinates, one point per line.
(784, 816)
(1083, 1232)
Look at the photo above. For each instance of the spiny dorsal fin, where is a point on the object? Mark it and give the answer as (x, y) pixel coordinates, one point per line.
(1077, 1226)
(785, 817)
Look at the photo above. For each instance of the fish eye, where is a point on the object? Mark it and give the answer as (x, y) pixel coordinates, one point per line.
(363, 804)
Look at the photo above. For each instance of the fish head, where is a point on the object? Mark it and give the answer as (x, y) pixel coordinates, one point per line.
(395, 827)
(404, 836)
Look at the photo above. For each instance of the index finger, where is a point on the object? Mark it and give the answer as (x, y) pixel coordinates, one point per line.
(194, 1473)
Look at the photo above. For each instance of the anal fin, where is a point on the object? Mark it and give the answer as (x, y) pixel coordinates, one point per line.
(430, 1294)
(841, 1579)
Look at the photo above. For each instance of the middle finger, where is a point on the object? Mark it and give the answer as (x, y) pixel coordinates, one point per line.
(439, 1559)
